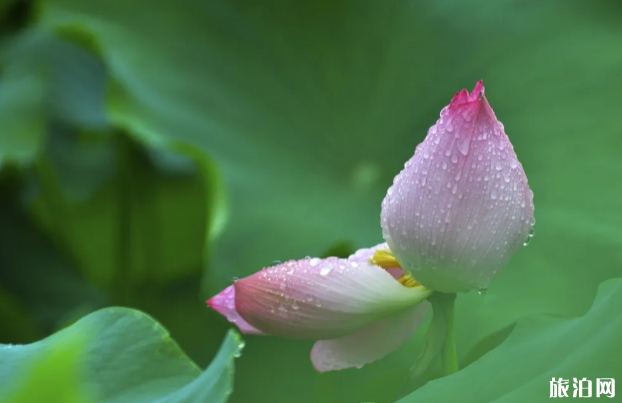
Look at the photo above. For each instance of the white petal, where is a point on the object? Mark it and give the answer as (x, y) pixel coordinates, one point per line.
(368, 344)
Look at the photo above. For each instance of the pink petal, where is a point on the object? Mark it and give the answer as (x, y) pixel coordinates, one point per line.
(369, 344)
(224, 304)
(364, 255)
(461, 206)
(321, 298)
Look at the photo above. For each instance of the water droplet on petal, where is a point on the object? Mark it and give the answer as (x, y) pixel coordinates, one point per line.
(314, 261)
(325, 270)
(464, 145)
(532, 232)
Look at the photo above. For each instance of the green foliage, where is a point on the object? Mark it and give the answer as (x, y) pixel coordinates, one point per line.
(539, 349)
(51, 374)
(124, 123)
(118, 355)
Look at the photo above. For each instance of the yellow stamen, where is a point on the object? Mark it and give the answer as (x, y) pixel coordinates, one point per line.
(407, 281)
(385, 259)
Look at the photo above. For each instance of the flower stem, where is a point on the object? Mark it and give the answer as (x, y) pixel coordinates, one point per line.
(443, 306)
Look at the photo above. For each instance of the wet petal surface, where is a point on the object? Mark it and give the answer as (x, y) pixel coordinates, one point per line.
(321, 298)
(370, 343)
(461, 206)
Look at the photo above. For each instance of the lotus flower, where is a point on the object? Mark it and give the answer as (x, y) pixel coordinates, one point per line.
(452, 218)
(461, 206)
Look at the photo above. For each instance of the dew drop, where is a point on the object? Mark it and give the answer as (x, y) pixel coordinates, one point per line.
(314, 261)
(295, 306)
(283, 285)
(464, 145)
(482, 291)
(450, 127)
(532, 232)
(325, 270)
(444, 165)
(454, 158)
(282, 308)
(513, 163)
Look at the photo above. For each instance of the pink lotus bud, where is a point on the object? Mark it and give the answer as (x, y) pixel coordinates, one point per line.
(461, 206)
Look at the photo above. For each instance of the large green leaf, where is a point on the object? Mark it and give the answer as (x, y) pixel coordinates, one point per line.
(311, 108)
(150, 226)
(48, 376)
(540, 348)
(43, 288)
(44, 79)
(128, 358)
(22, 112)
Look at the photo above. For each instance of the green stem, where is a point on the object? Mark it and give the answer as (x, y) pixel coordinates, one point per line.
(443, 306)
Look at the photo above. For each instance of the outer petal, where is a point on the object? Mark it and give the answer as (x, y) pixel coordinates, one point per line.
(224, 304)
(368, 344)
(321, 298)
(461, 206)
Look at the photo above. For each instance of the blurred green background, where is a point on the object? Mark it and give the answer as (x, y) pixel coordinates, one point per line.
(151, 151)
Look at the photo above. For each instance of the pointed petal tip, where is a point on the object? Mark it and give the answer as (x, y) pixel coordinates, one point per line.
(224, 304)
(464, 96)
(478, 90)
